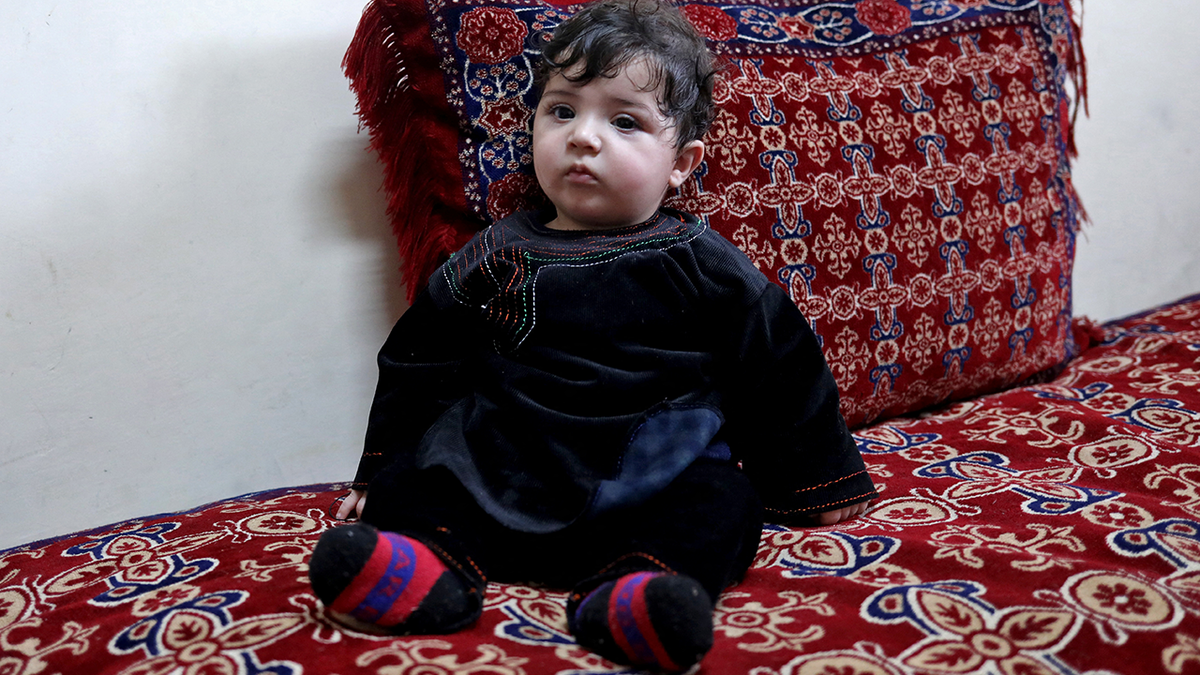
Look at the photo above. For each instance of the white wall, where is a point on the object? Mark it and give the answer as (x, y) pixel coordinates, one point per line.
(1138, 171)
(195, 271)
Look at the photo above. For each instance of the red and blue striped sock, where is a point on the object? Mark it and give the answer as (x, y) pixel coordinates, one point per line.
(648, 619)
(387, 580)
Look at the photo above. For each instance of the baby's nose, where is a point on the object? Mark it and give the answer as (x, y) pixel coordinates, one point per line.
(585, 135)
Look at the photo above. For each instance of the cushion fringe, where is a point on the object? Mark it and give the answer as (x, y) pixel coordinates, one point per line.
(422, 196)
(1076, 65)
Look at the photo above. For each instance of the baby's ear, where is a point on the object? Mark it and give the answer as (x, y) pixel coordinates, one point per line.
(690, 156)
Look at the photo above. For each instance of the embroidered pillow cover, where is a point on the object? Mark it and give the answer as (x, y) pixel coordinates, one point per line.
(900, 167)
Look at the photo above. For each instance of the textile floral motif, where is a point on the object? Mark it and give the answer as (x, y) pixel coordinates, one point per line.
(491, 35)
(899, 167)
(883, 17)
(1052, 528)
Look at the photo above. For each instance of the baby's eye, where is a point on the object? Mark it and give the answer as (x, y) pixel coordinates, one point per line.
(626, 123)
(562, 112)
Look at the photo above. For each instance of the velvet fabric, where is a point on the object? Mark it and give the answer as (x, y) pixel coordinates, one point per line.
(706, 524)
(570, 373)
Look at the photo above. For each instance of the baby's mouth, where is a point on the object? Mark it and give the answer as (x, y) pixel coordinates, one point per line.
(580, 174)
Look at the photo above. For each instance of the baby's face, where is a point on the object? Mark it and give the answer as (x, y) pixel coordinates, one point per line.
(604, 153)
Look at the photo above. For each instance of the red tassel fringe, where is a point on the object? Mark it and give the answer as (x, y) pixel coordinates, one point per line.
(424, 200)
(1076, 64)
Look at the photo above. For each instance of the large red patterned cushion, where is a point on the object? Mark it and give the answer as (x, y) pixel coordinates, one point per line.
(901, 168)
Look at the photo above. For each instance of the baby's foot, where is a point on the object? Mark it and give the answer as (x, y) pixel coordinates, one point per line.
(839, 515)
(381, 582)
(647, 619)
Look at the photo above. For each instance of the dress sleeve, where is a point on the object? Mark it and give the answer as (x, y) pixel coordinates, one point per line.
(421, 375)
(782, 416)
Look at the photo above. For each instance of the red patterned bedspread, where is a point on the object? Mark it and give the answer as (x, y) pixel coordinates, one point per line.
(1048, 529)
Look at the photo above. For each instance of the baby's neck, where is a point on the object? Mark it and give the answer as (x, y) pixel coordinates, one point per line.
(569, 225)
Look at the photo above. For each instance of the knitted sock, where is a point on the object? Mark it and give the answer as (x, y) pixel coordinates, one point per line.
(387, 580)
(647, 619)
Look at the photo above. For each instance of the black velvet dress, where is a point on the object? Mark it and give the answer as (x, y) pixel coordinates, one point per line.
(561, 375)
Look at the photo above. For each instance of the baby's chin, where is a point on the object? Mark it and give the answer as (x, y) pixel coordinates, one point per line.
(593, 223)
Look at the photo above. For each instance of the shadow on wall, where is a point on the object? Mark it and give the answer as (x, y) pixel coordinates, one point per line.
(364, 203)
(276, 133)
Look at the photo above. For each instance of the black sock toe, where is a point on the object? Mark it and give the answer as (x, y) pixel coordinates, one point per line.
(339, 555)
(680, 617)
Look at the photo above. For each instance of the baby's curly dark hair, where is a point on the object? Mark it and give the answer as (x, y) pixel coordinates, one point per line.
(602, 38)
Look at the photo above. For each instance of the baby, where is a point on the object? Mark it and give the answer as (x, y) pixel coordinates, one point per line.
(606, 397)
